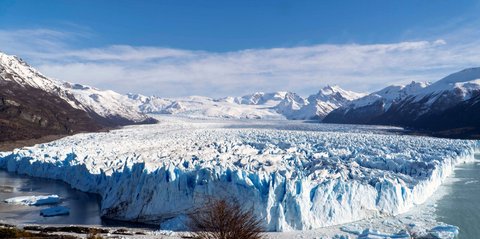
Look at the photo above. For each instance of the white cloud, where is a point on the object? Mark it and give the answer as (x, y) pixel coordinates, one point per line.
(175, 72)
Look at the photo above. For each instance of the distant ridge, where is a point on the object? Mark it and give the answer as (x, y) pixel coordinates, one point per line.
(449, 107)
(259, 105)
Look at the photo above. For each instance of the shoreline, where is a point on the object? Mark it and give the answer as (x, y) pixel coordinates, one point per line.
(11, 145)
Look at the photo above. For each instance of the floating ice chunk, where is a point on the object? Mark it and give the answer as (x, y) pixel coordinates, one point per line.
(374, 234)
(55, 211)
(471, 181)
(444, 232)
(34, 200)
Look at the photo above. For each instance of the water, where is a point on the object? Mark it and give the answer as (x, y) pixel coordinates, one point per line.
(84, 207)
(461, 206)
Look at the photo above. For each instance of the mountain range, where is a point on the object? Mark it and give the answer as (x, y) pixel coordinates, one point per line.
(33, 105)
(448, 107)
(259, 105)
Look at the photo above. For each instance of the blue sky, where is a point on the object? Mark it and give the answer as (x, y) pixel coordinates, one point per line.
(178, 48)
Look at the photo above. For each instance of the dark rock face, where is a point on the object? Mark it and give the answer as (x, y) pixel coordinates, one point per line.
(462, 120)
(27, 112)
(449, 107)
(362, 115)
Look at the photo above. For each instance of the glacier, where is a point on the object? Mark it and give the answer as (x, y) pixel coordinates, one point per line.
(296, 176)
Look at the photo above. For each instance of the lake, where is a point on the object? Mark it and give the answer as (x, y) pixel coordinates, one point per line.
(84, 207)
(461, 205)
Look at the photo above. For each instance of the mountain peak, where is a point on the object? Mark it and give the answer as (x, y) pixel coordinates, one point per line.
(106, 104)
(336, 93)
(464, 75)
(329, 89)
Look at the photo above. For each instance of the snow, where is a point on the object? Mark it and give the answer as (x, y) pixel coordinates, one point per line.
(259, 105)
(55, 211)
(465, 83)
(261, 98)
(105, 103)
(324, 102)
(390, 95)
(327, 92)
(253, 107)
(466, 75)
(24, 74)
(204, 107)
(34, 200)
(297, 176)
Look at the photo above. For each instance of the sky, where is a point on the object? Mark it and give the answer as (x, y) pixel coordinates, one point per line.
(219, 48)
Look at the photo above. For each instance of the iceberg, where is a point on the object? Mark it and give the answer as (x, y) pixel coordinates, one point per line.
(55, 211)
(446, 231)
(34, 200)
(374, 234)
(296, 176)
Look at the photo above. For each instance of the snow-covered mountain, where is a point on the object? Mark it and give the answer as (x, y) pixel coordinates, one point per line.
(419, 105)
(261, 98)
(290, 105)
(204, 107)
(29, 98)
(259, 105)
(321, 104)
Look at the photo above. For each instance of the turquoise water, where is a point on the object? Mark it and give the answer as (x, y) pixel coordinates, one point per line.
(461, 205)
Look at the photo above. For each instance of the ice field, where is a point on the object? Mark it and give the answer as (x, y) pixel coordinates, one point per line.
(296, 176)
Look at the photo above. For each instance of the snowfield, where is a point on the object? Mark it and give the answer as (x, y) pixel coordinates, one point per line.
(297, 176)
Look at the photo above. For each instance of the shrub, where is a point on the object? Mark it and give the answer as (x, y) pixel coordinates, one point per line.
(222, 219)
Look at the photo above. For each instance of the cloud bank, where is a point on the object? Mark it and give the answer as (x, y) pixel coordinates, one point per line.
(174, 72)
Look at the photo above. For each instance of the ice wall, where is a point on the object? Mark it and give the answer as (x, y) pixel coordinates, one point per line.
(295, 180)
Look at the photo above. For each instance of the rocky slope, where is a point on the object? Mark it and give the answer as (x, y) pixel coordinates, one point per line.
(33, 105)
(446, 107)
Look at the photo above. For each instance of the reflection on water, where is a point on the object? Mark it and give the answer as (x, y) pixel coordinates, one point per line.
(84, 207)
(461, 206)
